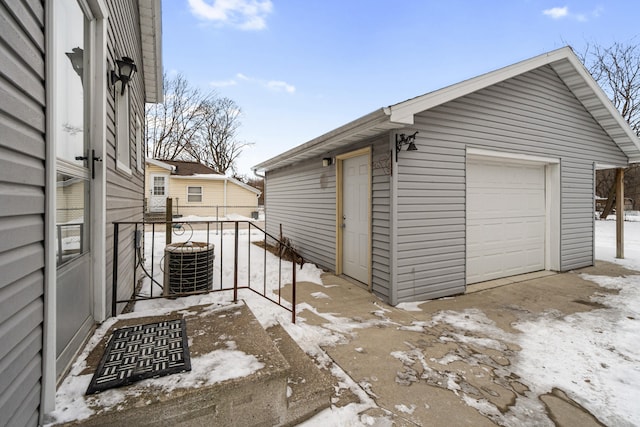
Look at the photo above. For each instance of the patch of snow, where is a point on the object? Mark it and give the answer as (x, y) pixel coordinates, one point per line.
(411, 306)
(320, 295)
(404, 408)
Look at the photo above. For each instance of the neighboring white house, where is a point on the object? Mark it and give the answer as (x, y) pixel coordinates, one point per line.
(71, 156)
(196, 189)
(499, 180)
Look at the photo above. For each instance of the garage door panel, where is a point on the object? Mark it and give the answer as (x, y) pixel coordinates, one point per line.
(506, 220)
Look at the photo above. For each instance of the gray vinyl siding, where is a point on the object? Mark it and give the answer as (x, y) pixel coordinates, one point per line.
(534, 114)
(302, 198)
(381, 217)
(22, 189)
(124, 192)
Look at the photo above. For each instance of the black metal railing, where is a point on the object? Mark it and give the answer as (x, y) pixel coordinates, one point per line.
(233, 255)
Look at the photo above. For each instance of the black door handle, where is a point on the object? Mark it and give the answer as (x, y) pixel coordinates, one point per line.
(94, 159)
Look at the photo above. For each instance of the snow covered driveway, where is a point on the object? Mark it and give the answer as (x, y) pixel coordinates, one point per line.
(558, 350)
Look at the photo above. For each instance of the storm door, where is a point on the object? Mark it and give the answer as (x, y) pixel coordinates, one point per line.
(158, 199)
(70, 125)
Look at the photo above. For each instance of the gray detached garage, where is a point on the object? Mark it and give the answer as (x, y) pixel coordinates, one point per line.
(488, 178)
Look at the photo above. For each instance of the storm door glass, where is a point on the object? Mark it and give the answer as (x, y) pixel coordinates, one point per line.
(71, 88)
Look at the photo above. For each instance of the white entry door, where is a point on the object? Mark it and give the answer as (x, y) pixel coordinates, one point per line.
(355, 218)
(506, 219)
(158, 196)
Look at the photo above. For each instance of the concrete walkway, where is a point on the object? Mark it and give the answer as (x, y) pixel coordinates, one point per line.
(422, 371)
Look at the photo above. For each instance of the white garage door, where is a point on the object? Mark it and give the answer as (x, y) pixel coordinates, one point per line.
(506, 219)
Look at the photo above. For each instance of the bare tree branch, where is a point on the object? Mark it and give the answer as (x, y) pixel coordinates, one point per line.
(215, 144)
(192, 125)
(617, 71)
(172, 124)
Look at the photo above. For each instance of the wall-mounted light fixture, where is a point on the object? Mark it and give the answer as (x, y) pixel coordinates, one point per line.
(327, 161)
(126, 68)
(403, 139)
(76, 56)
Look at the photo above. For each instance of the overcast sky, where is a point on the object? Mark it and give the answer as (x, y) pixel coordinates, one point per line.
(300, 68)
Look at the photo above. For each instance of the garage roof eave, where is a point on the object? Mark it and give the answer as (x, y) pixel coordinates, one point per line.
(366, 126)
(563, 61)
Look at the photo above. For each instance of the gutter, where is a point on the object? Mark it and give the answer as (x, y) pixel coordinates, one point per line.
(365, 122)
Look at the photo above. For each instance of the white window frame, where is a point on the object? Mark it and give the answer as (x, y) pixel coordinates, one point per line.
(154, 186)
(123, 129)
(139, 146)
(189, 194)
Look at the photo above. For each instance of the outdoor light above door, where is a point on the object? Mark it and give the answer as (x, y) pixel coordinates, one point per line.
(126, 68)
(408, 140)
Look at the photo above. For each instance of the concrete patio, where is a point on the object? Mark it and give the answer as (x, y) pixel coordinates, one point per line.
(419, 371)
(416, 370)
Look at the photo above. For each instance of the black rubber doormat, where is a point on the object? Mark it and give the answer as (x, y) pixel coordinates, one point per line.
(139, 352)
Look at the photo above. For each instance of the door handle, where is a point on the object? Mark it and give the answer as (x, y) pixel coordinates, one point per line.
(94, 159)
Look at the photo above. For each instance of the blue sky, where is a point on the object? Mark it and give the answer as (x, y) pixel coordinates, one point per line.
(300, 68)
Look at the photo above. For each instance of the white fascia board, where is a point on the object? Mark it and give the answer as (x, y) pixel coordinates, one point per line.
(607, 104)
(202, 176)
(402, 111)
(243, 185)
(350, 129)
(160, 164)
(216, 177)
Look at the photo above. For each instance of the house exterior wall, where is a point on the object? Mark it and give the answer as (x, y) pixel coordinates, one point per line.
(212, 194)
(305, 193)
(124, 189)
(534, 114)
(242, 201)
(381, 169)
(300, 195)
(238, 196)
(22, 210)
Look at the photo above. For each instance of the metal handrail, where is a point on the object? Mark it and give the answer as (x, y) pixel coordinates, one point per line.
(140, 227)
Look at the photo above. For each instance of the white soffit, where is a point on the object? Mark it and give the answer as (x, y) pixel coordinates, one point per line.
(151, 32)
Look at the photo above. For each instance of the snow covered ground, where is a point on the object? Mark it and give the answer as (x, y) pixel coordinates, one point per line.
(593, 356)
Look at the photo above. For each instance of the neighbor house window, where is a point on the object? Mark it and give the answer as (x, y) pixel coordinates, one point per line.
(194, 194)
(158, 185)
(123, 149)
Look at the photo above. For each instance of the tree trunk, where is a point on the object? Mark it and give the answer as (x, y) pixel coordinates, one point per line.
(607, 208)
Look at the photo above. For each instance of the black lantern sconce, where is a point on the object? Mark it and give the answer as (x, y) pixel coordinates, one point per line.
(327, 161)
(126, 68)
(403, 139)
(76, 57)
